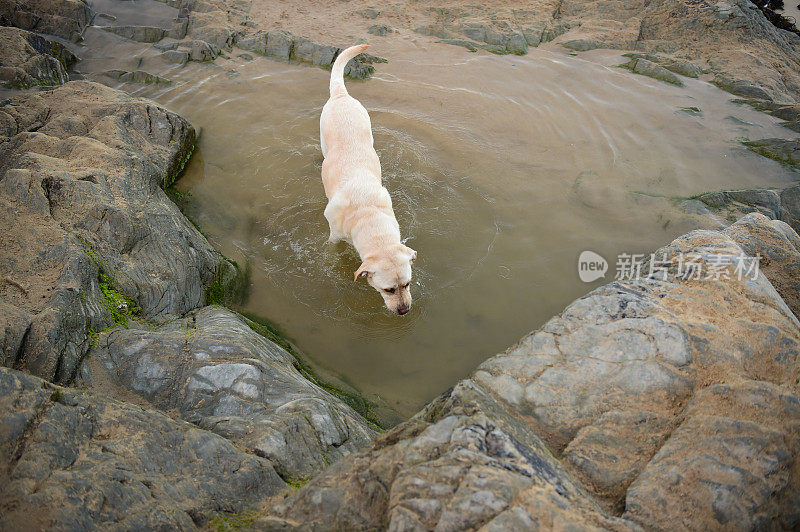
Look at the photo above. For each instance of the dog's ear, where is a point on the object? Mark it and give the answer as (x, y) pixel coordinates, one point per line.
(412, 254)
(361, 272)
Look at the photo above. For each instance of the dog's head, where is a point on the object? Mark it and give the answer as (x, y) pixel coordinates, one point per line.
(389, 272)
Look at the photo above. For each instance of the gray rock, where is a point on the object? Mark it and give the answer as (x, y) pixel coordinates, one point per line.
(581, 45)
(279, 44)
(62, 18)
(781, 205)
(653, 70)
(137, 33)
(782, 150)
(533, 36)
(179, 29)
(311, 52)
(166, 46)
(76, 461)
(469, 45)
(739, 202)
(684, 68)
(202, 51)
(176, 56)
(213, 370)
(473, 30)
(790, 206)
(256, 42)
(218, 37)
(360, 67)
(741, 88)
(794, 125)
(715, 199)
(434, 30)
(787, 112)
(95, 236)
(369, 13)
(553, 30)
(766, 198)
(26, 59)
(381, 30)
(517, 44)
(497, 40)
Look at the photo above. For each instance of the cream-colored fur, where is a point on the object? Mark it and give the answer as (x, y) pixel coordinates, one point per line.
(359, 207)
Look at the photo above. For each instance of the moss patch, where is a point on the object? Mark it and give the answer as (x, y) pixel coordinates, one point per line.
(232, 521)
(120, 307)
(229, 292)
(179, 166)
(771, 152)
(295, 482)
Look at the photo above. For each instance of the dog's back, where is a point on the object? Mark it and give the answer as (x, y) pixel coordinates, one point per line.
(346, 133)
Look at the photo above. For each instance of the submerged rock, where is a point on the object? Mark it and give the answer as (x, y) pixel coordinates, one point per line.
(781, 205)
(75, 461)
(741, 88)
(648, 68)
(137, 76)
(643, 386)
(782, 150)
(214, 371)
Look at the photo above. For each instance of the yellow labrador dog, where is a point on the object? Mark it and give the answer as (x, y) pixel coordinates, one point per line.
(359, 207)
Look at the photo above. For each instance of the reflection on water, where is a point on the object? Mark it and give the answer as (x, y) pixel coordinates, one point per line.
(502, 170)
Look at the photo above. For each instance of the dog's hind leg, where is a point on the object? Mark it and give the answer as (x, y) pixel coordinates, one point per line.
(322, 141)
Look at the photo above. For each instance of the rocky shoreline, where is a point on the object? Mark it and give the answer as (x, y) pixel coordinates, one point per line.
(131, 401)
(665, 403)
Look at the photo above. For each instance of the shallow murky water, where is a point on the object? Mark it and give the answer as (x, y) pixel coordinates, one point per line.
(502, 170)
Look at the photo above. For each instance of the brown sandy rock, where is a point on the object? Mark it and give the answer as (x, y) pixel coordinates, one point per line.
(75, 461)
(27, 59)
(62, 18)
(88, 235)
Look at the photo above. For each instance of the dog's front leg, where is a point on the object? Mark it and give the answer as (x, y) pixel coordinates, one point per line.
(333, 213)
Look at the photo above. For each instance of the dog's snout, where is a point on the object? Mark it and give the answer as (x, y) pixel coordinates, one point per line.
(403, 310)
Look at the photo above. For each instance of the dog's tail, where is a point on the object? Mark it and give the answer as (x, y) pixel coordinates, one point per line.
(337, 72)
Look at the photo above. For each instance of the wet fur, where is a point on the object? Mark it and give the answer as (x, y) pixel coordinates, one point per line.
(359, 207)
